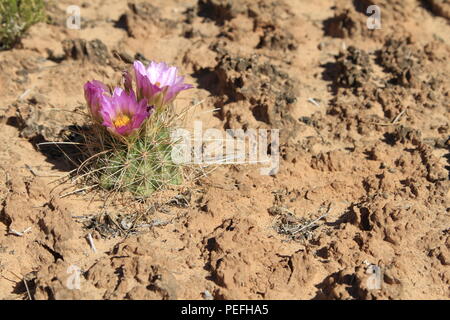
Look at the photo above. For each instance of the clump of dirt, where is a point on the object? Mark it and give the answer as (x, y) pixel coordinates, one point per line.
(343, 24)
(401, 59)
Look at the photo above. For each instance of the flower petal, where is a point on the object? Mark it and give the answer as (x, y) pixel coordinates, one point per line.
(156, 80)
(94, 93)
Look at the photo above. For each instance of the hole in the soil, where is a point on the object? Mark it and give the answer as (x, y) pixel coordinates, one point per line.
(261, 113)
(447, 157)
(122, 23)
(207, 79)
(365, 223)
(330, 73)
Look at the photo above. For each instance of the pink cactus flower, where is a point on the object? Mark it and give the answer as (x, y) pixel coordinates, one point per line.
(158, 83)
(94, 92)
(122, 113)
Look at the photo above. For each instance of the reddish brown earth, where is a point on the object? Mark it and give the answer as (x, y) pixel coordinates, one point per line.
(374, 149)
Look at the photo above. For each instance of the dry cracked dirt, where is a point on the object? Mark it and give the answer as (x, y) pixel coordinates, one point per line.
(364, 146)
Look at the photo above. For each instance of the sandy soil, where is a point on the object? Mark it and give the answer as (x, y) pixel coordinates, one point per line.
(372, 147)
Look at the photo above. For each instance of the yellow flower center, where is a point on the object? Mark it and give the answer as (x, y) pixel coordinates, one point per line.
(121, 120)
(158, 84)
